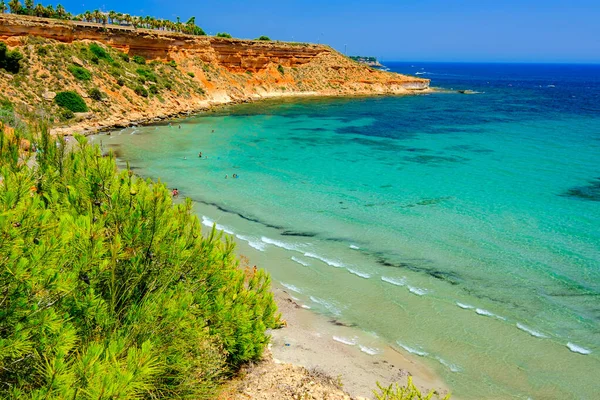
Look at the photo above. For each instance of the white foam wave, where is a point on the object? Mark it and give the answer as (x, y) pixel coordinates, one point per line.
(465, 306)
(209, 222)
(578, 349)
(349, 342)
(354, 247)
(277, 243)
(255, 243)
(306, 307)
(530, 331)
(486, 313)
(301, 262)
(417, 291)
(420, 73)
(358, 273)
(394, 281)
(328, 306)
(369, 350)
(451, 367)
(333, 263)
(292, 288)
(412, 350)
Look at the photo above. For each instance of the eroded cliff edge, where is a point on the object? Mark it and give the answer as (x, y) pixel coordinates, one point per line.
(195, 72)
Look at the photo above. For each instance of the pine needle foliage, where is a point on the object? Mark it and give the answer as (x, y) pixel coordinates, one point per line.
(408, 392)
(109, 291)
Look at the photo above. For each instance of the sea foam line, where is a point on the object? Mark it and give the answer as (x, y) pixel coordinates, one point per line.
(451, 367)
(209, 222)
(394, 281)
(330, 307)
(333, 263)
(412, 350)
(369, 350)
(530, 331)
(578, 349)
(301, 262)
(349, 342)
(277, 243)
(464, 306)
(358, 273)
(292, 288)
(255, 243)
(486, 313)
(354, 247)
(417, 291)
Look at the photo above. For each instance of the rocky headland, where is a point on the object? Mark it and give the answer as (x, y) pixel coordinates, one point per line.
(184, 74)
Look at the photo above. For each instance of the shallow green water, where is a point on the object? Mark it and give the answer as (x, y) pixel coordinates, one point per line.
(463, 229)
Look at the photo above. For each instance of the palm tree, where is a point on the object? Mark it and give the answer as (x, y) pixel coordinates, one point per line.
(3, 7)
(15, 6)
(60, 11)
(111, 16)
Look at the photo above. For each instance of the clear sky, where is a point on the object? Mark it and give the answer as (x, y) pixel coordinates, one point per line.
(403, 30)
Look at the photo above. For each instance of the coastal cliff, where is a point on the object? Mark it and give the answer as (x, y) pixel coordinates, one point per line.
(184, 73)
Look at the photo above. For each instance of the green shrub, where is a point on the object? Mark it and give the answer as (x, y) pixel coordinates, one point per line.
(124, 56)
(120, 81)
(264, 38)
(10, 60)
(408, 392)
(80, 73)
(42, 51)
(139, 60)
(191, 74)
(96, 94)
(71, 101)
(110, 291)
(141, 91)
(100, 52)
(172, 63)
(95, 60)
(147, 74)
(67, 115)
(168, 85)
(153, 89)
(224, 35)
(280, 69)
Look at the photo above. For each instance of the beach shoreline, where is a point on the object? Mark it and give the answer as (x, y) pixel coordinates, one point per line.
(307, 340)
(88, 128)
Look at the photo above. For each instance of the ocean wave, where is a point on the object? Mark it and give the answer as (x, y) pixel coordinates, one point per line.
(420, 73)
(349, 342)
(530, 331)
(578, 349)
(358, 273)
(417, 291)
(291, 287)
(255, 243)
(354, 247)
(450, 366)
(277, 243)
(301, 262)
(333, 263)
(486, 313)
(394, 281)
(464, 306)
(305, 306)
(209, 223)
(328, 306)
(412, 350)
(369, 350)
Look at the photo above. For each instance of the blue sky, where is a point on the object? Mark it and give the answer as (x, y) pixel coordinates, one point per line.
(423, 30)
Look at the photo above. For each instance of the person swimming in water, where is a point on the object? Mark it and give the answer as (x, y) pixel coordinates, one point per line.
(200, 155)
(175, 192)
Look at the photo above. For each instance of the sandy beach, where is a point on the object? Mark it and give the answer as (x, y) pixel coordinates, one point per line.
(308, 341)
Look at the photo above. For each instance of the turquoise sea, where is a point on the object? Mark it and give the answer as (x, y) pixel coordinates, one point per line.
(464, 229)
